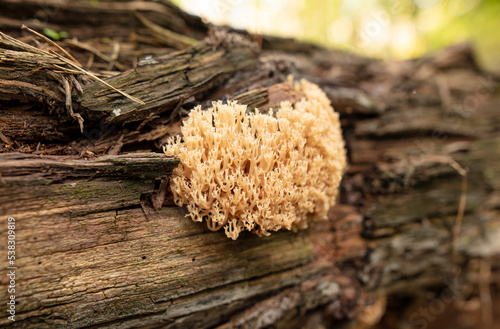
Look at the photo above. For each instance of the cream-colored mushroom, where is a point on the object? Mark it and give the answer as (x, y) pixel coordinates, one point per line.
(260, 172)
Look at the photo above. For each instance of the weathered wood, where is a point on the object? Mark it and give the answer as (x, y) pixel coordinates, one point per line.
(81, 19)
(122, 262)
(166, 83)
(94, 252)
(137, 166)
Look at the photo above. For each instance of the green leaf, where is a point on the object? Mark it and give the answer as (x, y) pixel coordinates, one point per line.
(54, 35)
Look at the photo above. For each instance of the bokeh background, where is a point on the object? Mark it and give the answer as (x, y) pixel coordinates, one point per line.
(388, 29)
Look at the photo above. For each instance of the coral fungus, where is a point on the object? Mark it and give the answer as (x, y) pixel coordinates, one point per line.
(259, 172)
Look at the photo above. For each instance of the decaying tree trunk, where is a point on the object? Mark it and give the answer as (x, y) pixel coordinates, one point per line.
(99, 242)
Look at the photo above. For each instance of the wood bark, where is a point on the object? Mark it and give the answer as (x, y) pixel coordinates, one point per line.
(99, 242)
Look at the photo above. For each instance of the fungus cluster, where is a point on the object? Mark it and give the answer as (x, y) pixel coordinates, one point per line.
(259, 172)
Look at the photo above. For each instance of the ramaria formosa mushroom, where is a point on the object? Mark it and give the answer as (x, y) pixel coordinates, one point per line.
(259, 172)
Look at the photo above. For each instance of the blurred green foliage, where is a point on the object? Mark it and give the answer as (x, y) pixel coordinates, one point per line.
(54, 35)
(389, 29)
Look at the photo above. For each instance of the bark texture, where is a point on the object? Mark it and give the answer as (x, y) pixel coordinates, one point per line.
(99, 242)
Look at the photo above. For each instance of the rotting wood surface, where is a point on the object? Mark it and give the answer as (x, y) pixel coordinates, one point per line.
(94, 250)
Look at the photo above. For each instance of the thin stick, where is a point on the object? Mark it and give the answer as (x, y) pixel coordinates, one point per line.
(171, 38)
(96, 52)
(463, 197)
(24, 27)
(69, 106)
(460, 215)
(72, 62)
(95, 77)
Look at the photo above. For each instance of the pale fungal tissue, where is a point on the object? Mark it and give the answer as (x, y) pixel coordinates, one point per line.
(259, 172)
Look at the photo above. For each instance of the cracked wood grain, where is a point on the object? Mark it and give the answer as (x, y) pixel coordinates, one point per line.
(94, 252)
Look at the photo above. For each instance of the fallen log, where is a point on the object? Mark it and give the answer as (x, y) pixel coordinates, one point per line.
(99, 242)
